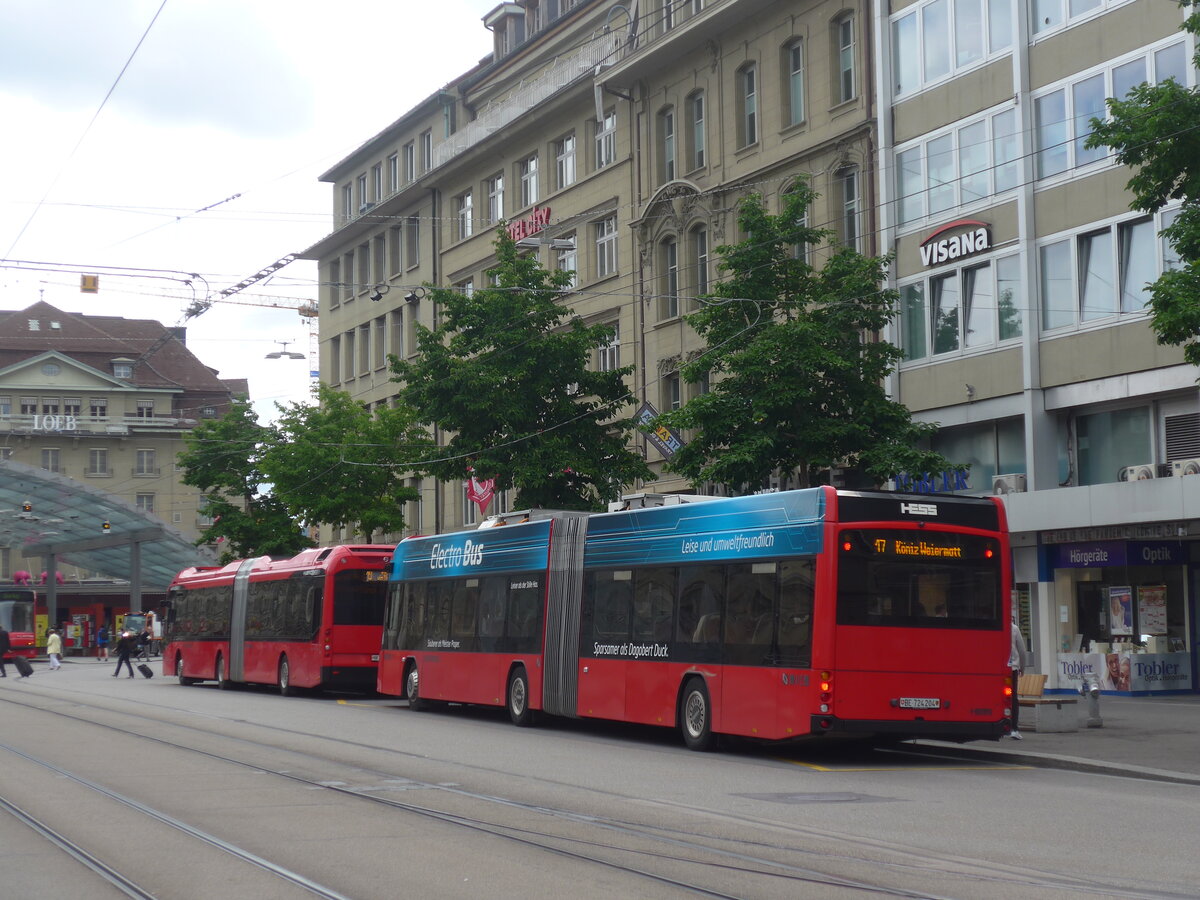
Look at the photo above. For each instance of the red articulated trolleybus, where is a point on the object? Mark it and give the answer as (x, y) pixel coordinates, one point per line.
(18, 615)
(777, 616)
(311, 621)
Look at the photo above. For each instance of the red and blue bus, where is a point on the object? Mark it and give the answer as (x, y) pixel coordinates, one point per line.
(309, 621)
(18, 615)
(774, 617)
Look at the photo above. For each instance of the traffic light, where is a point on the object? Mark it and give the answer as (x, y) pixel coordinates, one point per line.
(107, 526)
(26, 506)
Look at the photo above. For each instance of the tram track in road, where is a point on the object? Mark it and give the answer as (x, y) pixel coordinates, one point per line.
(764, 859)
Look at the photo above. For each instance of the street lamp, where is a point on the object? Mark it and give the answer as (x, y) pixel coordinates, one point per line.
(284, 353)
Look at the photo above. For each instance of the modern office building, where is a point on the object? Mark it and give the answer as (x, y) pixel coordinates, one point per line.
(1022, 273)
(616, 141)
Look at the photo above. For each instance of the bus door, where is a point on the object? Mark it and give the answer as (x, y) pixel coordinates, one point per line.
(749, 685)
(604, 652)
(236, 670)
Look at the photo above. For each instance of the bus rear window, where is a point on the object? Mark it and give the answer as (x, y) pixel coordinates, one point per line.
(358, 597)
(919, 579)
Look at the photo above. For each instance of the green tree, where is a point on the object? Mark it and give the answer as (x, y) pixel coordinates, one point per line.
(505, 374)
(224, 459)
(338, 464)
(1153, 131)
(795, 376)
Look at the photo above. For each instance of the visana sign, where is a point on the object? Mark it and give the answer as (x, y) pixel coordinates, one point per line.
(936, 249)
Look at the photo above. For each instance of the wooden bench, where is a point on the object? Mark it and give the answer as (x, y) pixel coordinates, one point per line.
(1050, 714)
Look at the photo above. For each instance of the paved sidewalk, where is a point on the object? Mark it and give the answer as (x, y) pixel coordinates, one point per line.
(1146, 737)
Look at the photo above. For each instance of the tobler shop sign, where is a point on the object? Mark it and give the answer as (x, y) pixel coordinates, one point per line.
(968, 238)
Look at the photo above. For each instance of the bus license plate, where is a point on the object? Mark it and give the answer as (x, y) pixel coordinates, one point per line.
(920, 703)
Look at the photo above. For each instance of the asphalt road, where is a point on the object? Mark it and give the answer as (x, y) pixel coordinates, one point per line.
(192, 792)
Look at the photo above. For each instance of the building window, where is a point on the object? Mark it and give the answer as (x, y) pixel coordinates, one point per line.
(495, 198)
(6, 406)
(98, 463)
(1101, 273)
(145, 502)
(393, 164)
(606, 140)
(395, 245)
(696, 130)
(668, 15)
(376, 182)
(348, 356)
(29, 406)
(747, 97)
(363, 198)
(794, 87)
(145, 409)
(938, 38)
(846, 82)
(959, 167)
(608, 357)
(529, 181)
(672, 396)
(464, 216)
(700, 260)
(669, 305)
(847, 188)
(968, 308)
(379, 344)
(122, 370)
(1049, 15)
(50, 459)
(50, 406)
(470, 510)
(564, 161)
(1062, 115)
(412, 241)
(1108, 441)
(347, 202)
(426, 150)
(666, 143)
(208, 412)
(410, 162)
(98, 407)
(568, 261)
(606, 247)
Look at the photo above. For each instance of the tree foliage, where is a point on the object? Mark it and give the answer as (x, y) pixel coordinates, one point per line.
(795, 377)
(338, 464)
(1154, 131)
(505, 374)
(224, 459)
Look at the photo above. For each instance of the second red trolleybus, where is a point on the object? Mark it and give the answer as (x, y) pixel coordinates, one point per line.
(774, 617)
(310, 621)
(18, 615)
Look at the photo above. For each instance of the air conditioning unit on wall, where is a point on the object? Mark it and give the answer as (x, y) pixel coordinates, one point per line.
(1138, 473)
(1185, 467)
(1009, 484)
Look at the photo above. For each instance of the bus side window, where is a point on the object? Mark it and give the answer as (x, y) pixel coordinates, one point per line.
(653, 602)
(612, 607)
(797, 586)
(701, 595)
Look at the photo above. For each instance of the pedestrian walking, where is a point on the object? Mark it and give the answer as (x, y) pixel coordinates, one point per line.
(1018, 658)
(144, 640)
(102, 643)
(5, 646)
(126, 647)
(54, 649)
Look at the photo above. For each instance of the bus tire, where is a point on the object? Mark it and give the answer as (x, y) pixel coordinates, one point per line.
(183, 679)
(285, 678)
(517, 698)
(695, 716)
(223, 681)
(412, 689)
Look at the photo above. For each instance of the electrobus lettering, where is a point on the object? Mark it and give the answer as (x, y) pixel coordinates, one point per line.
(469, 554)
(735, 544)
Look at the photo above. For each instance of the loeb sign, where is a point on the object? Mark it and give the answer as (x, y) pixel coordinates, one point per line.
(935, 249)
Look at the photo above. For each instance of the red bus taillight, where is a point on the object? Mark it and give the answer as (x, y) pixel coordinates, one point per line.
(826, 697)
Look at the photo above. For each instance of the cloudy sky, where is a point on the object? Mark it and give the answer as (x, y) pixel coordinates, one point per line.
(253, 98)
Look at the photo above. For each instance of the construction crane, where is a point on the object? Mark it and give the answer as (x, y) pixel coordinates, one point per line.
(306, 308)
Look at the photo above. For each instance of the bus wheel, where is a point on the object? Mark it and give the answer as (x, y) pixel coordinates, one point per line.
(285, 678)
(223, 681)
(518, 698)
(415, 702)
(695, 716)
(183, 679)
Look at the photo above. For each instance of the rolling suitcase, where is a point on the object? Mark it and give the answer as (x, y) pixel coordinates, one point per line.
(24, 669)
(145, 670)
